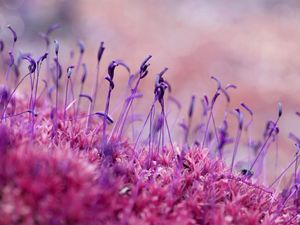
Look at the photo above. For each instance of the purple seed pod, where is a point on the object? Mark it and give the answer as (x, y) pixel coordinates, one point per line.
(228, 86)
(240, 118)
(247, 109)
(1, 46)
(144, 67)
(163, 71)
(270, 127)
(192, 106)
(159, 79)
(279, 109)
(111, 69)
(160, 87)
(87, 97)
(158, 123)
(52, 113)
(100, 51)
(183, 126)
(16, 71)
(204, 107)
(69, 71)
(11, 59)
(42, 58)
(81, 46)
(84, 74)
(225, 94)
(223, 136)
(108, 117)
(4, 96)
(56, 47)
(206, 100)
(214, 98)
(247, 173)
(251, 114)
(112, 66)
(59, 72)
(32, 63)
(15, 38)
(169, 86)
(218, 82)
(51, 89)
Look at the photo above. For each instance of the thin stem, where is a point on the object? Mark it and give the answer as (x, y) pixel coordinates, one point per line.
(206, 129)
(18, 114)
(11, 95)
(265, 143)
(143, 127)
(296, 165)
(66, 100)
(236, 144)
(105, 116)
(216, 134)
(283, 172)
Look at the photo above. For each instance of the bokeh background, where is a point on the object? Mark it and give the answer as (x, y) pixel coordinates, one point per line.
(254, 44)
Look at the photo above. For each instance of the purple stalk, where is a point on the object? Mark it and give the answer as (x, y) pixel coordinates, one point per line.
(46, 37)
(238, 137)
(126, 108)
(150, 154)
(11, 95)
(19, 114)
(209, 118)
(144, 125)
(89, 110)
(81, 52)
(69, 73)
(283, 172)
(58, 76)
(269, 136)
(83, 78)
(9, 66)
(111, 72)
(111, 86)
(43, 91)
(99, 56)
(39, 64)
(216, 134)
(296, 164)
(169, 133)
(248, 126)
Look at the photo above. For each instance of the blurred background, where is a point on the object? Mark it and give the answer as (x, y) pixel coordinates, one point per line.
(254, 44)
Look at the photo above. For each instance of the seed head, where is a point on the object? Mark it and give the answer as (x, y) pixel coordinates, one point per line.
(1, 46)
(81, 46)
(15, 38)
(56, 47)
(84, 74)
(279, 109)
(69, 71)
(100, 51)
